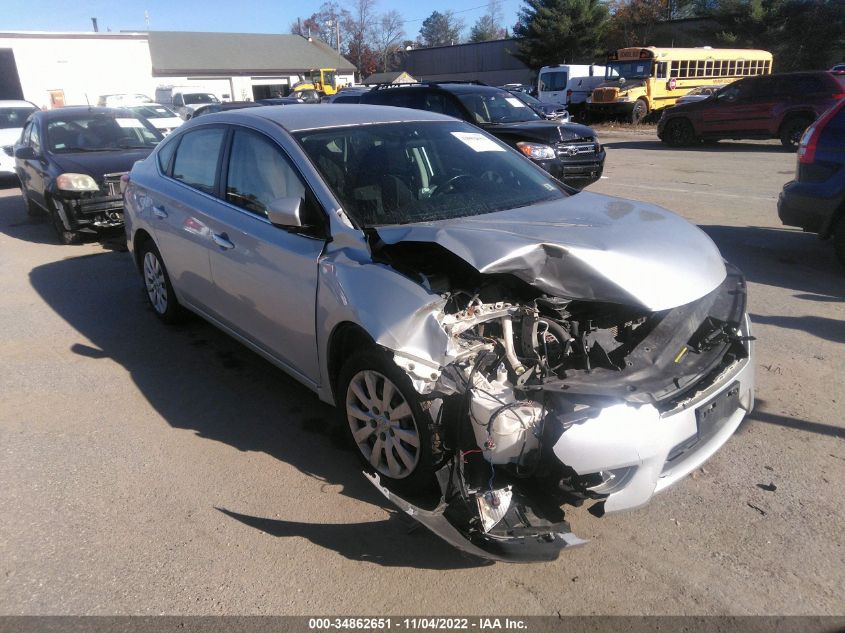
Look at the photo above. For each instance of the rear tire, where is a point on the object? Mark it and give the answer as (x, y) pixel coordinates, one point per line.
(839, 240)
(380, 412)
(792, 130)
(157, 286)
(679, 133)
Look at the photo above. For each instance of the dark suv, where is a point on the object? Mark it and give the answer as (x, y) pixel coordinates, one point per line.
(568, 151)
(815, 200)
(768, 106)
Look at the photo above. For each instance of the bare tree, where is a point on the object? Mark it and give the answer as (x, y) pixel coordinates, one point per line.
(388, 37)
(361, 33)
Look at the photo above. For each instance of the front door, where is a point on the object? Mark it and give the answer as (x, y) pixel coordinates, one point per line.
(266, 276)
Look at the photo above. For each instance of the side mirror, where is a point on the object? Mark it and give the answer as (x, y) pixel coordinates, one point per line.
(25, 153)
(284, 212)
(9, 150)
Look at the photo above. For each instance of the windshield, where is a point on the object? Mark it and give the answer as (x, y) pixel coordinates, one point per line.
(527, 98)
(14, 118)
(553, 81)
(99, 133)
(400, 173)
(637, 68)
(329, 78)
(497, 107)
(200, 97)
(153, 112)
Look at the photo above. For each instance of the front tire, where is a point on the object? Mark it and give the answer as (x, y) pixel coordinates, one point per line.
(157, 284)
(32, 209)
(640, 112)
(679, 133)
(65, 237)
(792, 130)
(381, 414)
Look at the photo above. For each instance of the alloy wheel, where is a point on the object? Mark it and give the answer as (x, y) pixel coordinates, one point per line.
(382, 424)
(155, 282)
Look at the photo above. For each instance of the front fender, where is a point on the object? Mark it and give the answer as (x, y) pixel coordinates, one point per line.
(395, 311)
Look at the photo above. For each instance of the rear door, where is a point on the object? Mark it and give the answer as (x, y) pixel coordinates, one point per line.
(181, 213)
(266, 276)
(553, 85)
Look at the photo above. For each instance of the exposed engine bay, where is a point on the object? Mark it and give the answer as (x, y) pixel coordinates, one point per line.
(528, 366)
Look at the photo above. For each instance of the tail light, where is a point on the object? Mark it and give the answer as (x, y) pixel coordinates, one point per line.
(568, 95)
(810, 139)
(124, 182)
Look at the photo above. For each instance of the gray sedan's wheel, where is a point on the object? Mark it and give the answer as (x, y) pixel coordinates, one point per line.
(381, 413)
(157, 284)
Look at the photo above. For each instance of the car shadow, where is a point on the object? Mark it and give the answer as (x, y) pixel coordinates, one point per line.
(760, 414)
(708, 146)
(200, 379)
(784, 258)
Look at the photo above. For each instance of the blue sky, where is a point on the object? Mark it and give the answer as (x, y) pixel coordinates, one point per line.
(252, 16)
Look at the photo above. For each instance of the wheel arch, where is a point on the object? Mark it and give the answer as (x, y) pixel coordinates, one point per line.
(346, 338)
(140, 238)
(796, 114)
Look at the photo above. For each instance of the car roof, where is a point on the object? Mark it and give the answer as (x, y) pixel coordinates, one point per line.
(297, 117)
(16, 103)
(70, 112)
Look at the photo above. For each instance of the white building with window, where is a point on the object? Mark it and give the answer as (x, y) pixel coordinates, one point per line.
(55, 69)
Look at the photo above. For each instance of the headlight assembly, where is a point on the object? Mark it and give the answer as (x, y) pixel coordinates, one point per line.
(76, 182)
(537, 151)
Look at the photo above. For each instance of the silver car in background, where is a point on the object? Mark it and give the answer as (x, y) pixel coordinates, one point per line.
(497, 345)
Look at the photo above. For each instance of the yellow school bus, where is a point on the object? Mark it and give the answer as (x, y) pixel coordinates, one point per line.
(642, 80)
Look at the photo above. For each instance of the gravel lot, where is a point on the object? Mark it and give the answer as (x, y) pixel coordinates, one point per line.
(149, 470)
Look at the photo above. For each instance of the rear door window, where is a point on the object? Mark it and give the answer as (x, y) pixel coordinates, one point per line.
(197, 157)
(553, 81)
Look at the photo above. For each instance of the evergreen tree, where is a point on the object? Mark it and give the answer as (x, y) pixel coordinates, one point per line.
(558, 31)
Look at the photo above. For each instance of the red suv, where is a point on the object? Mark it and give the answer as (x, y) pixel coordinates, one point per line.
(768, 106)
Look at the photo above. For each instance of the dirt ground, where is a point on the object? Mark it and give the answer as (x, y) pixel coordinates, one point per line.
(150, 470)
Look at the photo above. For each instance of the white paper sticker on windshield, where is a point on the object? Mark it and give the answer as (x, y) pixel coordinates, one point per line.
(516, 103)
(129, 122)
(478, 142)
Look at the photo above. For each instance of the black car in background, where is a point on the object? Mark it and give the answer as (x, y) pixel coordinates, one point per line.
(568, 151)
(815, 200)
(211, 108)
(70, 160)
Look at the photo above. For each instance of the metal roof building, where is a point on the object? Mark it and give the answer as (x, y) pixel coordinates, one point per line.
(492, 62)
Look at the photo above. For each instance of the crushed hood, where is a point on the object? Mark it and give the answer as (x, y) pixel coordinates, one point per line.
(587, 246)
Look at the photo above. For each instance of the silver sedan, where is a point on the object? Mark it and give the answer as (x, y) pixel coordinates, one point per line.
(497, 345)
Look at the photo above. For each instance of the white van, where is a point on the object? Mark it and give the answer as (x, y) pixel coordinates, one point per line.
(184, 99)
(568, 84)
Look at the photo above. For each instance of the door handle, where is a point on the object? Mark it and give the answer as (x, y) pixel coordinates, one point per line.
(159, 211)
(222, 240)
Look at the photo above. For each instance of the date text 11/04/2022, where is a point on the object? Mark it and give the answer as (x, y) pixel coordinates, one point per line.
(418, 623)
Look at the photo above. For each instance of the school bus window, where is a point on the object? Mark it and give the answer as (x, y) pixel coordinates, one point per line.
(661, 70)
(708, 69)
(673, 72)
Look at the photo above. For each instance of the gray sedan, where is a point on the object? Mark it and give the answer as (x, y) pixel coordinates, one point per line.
(497, 345)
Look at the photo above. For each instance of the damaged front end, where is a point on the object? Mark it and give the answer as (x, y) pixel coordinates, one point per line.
(540, 400)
